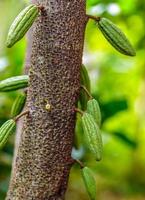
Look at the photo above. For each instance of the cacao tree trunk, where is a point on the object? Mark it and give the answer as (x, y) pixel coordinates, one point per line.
(43, 158)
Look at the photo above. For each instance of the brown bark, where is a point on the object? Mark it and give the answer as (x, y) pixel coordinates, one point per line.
(43, 160)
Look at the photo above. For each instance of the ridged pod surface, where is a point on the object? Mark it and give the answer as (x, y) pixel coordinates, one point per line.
(85, 81)
(116, 37)
(93, 135)
(18, 105)
(21, 24)
(5, 130)
(89, 182)
(14, 83)
(94, 109)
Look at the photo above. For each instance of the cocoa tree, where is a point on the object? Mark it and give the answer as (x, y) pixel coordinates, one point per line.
(42, 158)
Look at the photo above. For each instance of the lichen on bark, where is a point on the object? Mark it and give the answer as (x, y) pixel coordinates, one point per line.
(43, 159)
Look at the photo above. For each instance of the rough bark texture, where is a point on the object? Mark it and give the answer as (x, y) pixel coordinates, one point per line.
(43, 159)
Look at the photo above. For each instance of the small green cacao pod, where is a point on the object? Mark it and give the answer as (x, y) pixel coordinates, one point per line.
(94, 109)
(83, 99)
(89, 182)
(14, 83)
(21, 24)
(5, 130)
(18, 104)
(85, 81)
(92, 135)
(116, 37)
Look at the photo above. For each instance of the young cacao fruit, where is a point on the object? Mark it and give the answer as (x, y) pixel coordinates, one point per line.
(85, 81)
(5, 130)
(14, 83)
(115, 37)
(89, 182)
(18, 105)
(94, 109)
(93, 135)
(21, 24)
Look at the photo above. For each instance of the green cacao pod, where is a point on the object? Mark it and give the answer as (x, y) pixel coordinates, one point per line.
(89, 182)
(94, 109)
(14, 83)
(18, 105)
(116, 37)
(85, 81)
(93, 135)
(21, 24)
(5, 130)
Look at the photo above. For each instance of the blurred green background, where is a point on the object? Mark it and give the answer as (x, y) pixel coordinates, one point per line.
(117, 82)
